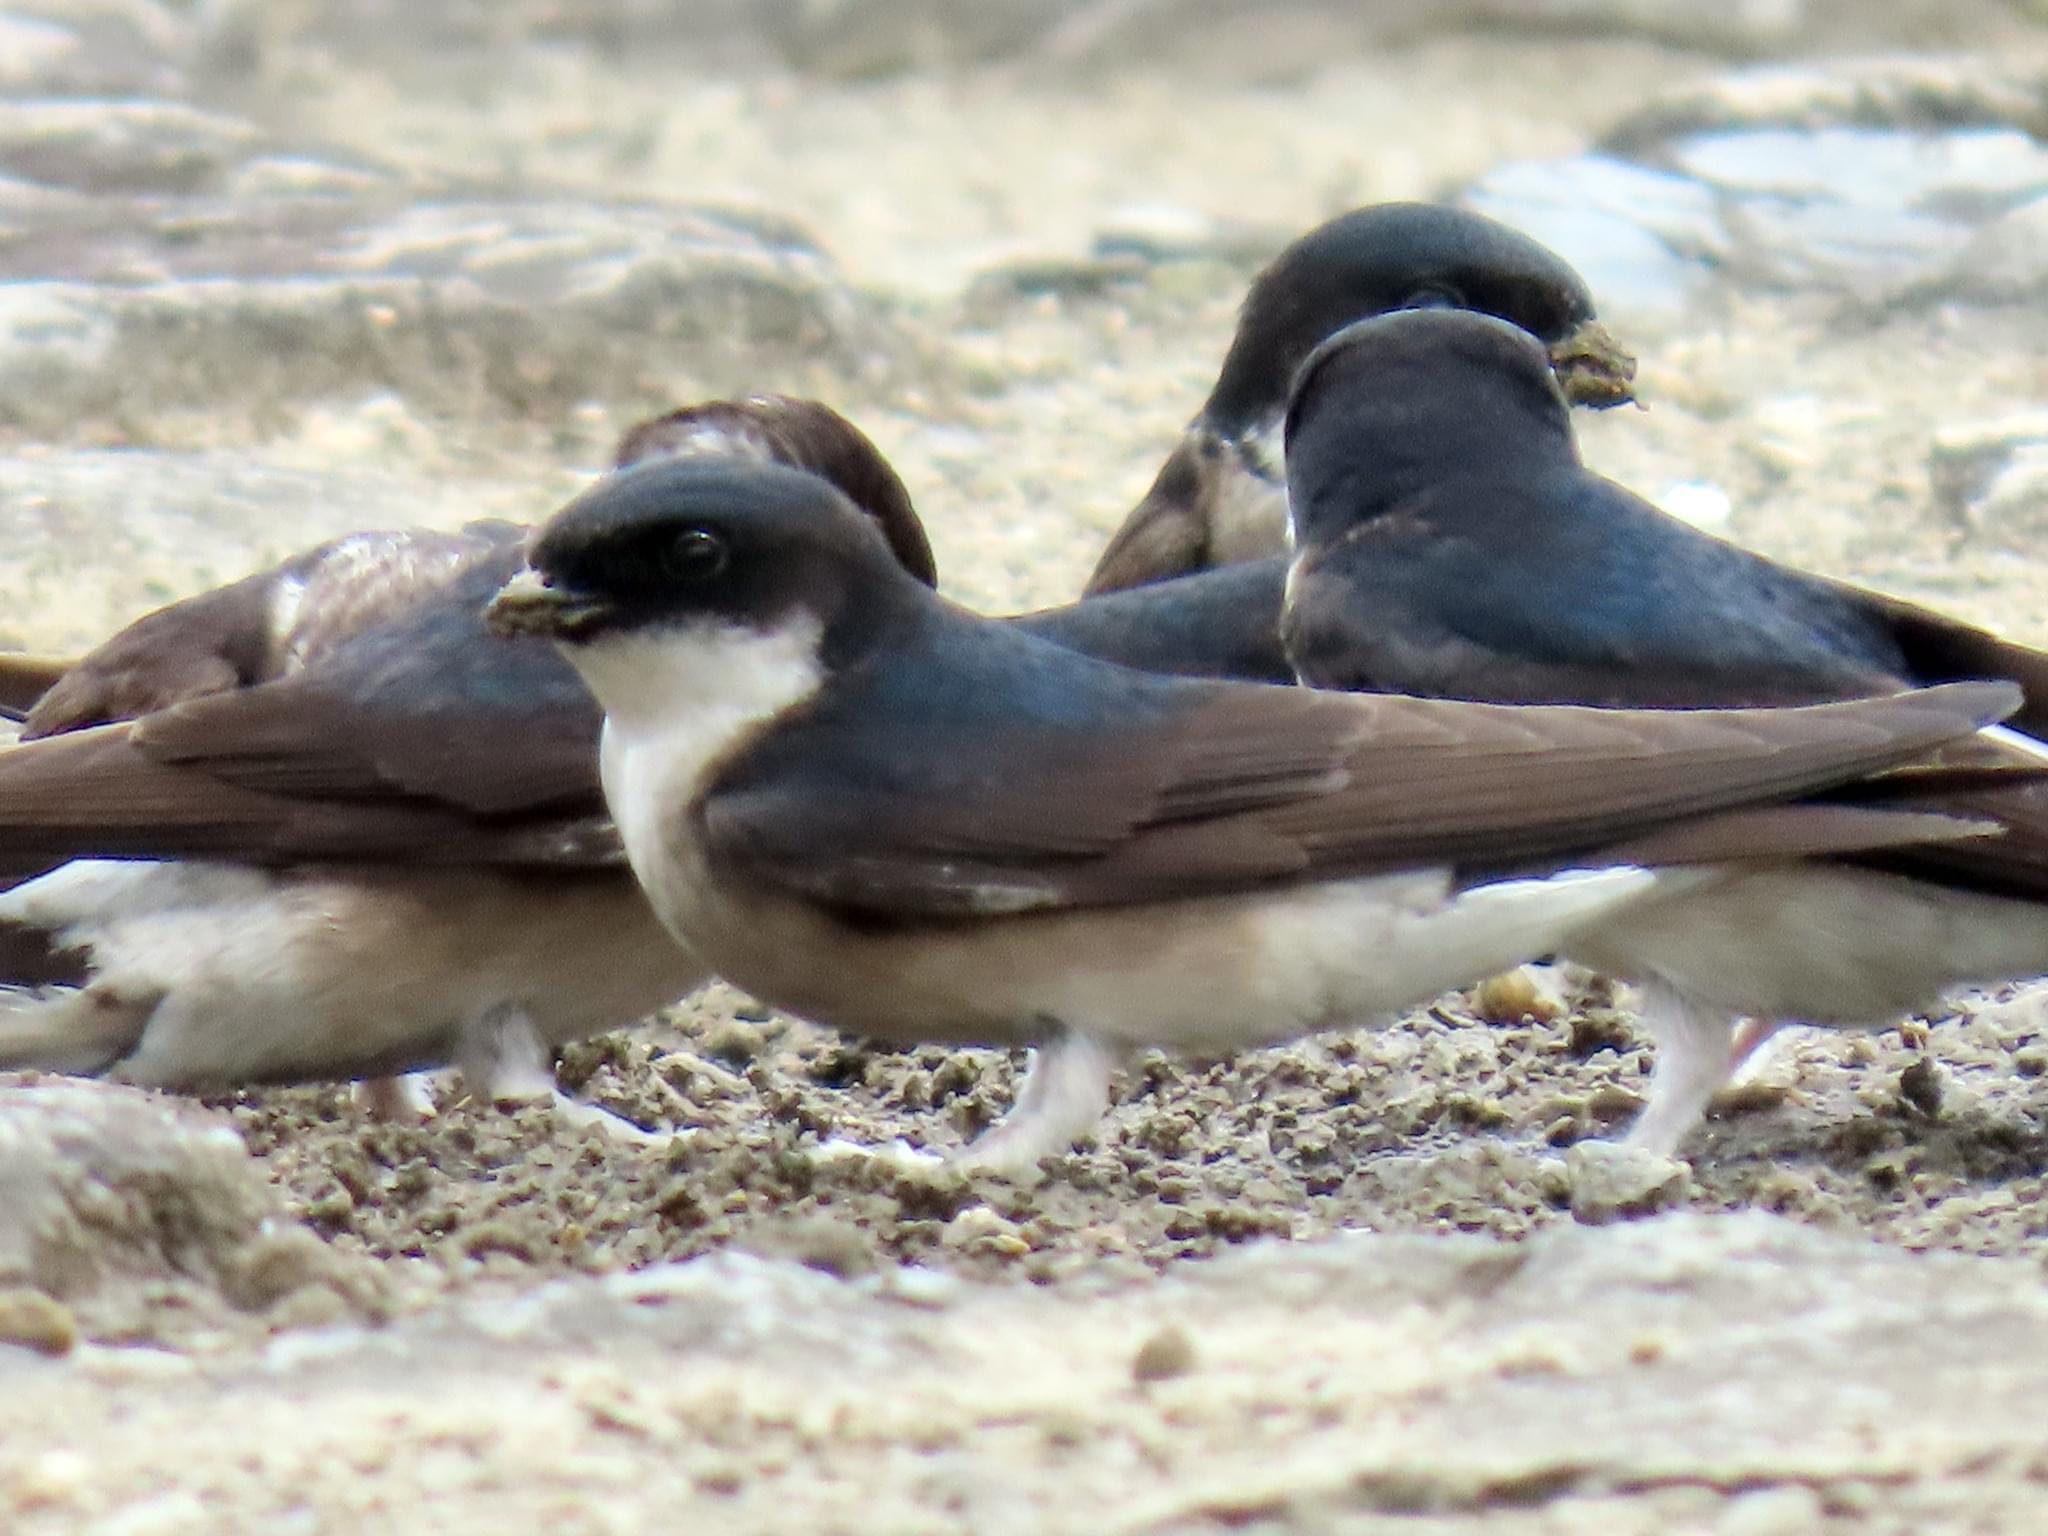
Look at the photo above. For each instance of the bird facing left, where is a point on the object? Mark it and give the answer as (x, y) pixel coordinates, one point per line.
(880, 812)
(319, 824)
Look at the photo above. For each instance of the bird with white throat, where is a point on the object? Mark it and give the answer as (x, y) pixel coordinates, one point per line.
(893, 817)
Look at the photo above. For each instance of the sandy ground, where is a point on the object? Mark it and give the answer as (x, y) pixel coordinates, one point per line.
(1040, 420)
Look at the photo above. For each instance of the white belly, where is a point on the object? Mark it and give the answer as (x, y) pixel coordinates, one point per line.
(211, 974)
(673, 712)
(1211, 975)
(1214, 974)
(1820, 943)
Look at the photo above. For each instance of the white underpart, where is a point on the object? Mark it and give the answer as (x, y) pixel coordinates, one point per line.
(1211, 974)
(206, 975)
(676, 702)
(1804, 942)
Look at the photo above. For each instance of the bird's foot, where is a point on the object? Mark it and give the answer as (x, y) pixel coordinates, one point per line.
(505, 1061)
(1064, 1094)
(579, 1115)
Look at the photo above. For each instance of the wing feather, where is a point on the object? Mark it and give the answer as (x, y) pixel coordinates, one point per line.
(1205, 789)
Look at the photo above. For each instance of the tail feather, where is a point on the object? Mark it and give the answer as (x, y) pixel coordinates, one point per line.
(65, 1029)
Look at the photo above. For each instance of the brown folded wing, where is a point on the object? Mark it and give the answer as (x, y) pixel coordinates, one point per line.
(96, 793)
(1239, 787)
(1167, 533)
(259, 628)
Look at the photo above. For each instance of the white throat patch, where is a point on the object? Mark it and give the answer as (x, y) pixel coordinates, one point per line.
(703, 676)
(677, 702)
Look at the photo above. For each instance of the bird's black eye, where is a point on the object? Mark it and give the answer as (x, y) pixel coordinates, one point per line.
(695, 554)
(1435, 296)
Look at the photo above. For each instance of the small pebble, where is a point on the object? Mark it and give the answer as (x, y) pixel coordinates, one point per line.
(1920, 1087)
(1648, 1349)
(1512, 997)
(724, 1476)
(824, 1243)
(1166, 1354)
(735, 1042)
(1748, 1099)
(1610, 1182)
(1610, 1103)
(981, 1230)
(36, 1321)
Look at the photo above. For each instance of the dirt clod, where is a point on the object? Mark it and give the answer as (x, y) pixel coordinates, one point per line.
(1610, 1182)
(1164, 1355)
(36, 1321)
(1920, 1088)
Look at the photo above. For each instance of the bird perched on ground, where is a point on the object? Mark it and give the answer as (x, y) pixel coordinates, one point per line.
(380, 596)
(320, 824)
(316, 824)
(1221, 496)
(891, 816)
(1449, 543)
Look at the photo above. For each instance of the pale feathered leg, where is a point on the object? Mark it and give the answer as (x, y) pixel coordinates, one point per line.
(1695, 1047)
(1064, 1096)
(504, 1059)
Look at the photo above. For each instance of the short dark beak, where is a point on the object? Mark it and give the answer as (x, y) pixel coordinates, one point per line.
(529, 605)
(1593, 368)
